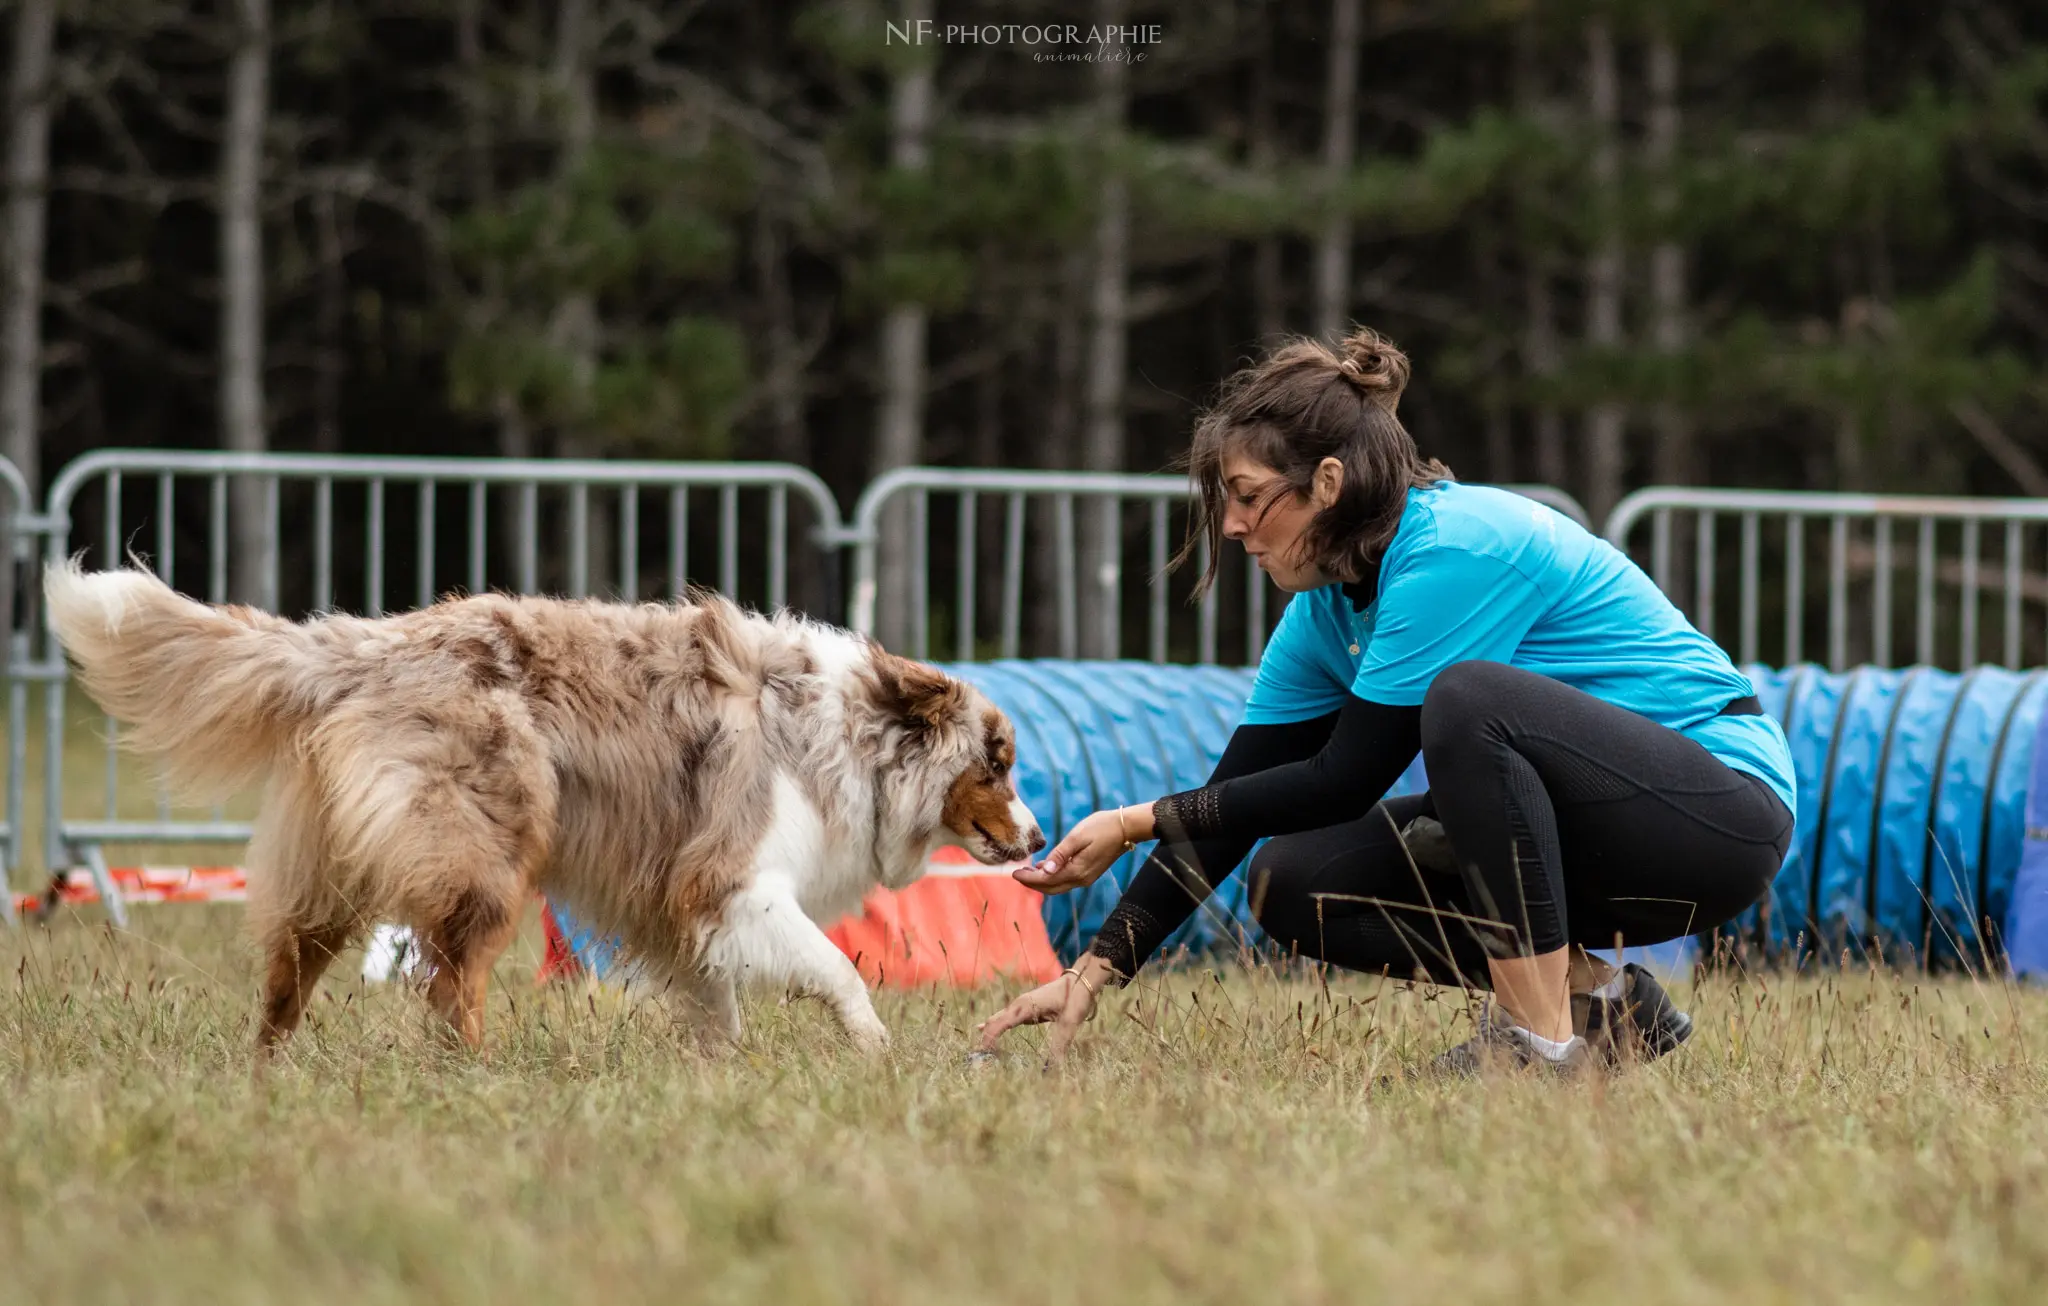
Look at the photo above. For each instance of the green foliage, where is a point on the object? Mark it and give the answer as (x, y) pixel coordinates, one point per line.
(1856, 194)
(675, 396)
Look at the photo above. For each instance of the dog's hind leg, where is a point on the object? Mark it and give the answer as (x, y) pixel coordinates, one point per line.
(710, 1007)
(452, 815)
(297, 907)
(461, 946)
(765, 938)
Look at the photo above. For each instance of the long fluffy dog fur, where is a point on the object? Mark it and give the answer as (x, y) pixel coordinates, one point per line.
(704, 782)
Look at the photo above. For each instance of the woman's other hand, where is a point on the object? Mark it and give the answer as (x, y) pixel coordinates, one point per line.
(1066, 1002)
(1088, 850)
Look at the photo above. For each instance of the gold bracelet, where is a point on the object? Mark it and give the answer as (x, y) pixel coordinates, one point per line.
(1094, 994)
(1122, 833)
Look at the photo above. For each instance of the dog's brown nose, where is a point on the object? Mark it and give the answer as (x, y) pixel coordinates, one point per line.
(1037, 840)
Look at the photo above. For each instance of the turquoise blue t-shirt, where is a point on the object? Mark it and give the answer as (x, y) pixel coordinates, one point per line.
(1480, 574)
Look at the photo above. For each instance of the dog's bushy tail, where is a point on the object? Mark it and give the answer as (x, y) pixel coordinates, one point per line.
(210, 694)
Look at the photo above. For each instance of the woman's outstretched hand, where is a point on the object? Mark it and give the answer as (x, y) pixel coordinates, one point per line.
(1088, 850)
(1066, 1002)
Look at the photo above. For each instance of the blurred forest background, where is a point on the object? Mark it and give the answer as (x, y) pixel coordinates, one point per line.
(1738, 242)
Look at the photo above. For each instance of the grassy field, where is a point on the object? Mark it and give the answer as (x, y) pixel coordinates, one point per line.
(1217, 1137)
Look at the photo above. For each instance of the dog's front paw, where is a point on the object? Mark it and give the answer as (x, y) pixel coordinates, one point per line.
(869, 1036)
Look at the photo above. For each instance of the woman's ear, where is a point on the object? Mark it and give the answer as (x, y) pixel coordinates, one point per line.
(1327, 484)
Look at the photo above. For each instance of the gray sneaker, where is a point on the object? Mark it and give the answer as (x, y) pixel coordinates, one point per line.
(1641, 1025)
(1497, 1046)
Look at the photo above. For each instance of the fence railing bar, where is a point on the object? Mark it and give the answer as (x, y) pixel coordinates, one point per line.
(479, 534)
(920, 574)
(1155, 599)
(1968, 624)
(1838, 592)
(273, 545)
(217, 540)
(323, 544)
(110, 530)
(529, 538)
(373, 565)
(778, 547)
(167, 530)
(1064, 565)
(579, 540)
(1106, 584)
(1923, 595)
(1013, 574)
(2013, 582)
(423, 548)
(729, 541)
(1704, 572)
(1660, 549)
(1206, 614)
(1795, 589)
(1752, 547)
(629, 543)
(964, 581)
(167, 568)
(1881, 596)
(678, 541)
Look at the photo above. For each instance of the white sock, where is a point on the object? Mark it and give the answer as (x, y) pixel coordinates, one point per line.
(1544, 1047)
(1613, 988)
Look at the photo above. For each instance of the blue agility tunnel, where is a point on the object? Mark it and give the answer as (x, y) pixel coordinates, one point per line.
(1914, 792)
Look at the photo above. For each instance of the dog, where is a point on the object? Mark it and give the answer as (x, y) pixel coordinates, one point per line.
(705, 782)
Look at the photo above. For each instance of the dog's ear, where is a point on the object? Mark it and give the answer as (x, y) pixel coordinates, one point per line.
(923, 696)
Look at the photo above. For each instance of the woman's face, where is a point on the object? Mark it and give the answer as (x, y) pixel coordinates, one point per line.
(1271, 531)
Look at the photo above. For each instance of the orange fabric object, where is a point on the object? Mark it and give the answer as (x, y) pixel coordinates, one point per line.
(149, 884)
(949, 928)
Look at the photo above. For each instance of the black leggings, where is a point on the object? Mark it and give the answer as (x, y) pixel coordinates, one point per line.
(1572, 821)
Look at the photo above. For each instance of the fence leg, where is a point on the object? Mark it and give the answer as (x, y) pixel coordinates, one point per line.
(103, 880)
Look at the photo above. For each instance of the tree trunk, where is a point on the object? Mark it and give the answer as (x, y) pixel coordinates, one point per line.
(989, 398)
(330, 321)
(574, 328)
(253, 564)
(1049, 632)
(1340, 105)
(28, 175)
(1102, 439)
(1269, 291)
(1674, 461)
(514, 431)
(1607, 418)
(1541, 355)
(899, 430)
(1499, 431)
(788, 438)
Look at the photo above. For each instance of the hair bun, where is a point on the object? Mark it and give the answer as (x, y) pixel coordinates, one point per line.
(1375, 365)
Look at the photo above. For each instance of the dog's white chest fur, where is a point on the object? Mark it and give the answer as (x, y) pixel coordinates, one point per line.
(828, 877)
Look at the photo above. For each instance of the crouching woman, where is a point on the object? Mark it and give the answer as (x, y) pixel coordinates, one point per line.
(1599, 771)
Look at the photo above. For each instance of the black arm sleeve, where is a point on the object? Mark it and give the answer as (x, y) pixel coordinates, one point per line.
(1371, 745)
(1271, 780)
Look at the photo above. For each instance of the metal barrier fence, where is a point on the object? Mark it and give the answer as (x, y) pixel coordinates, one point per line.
(1777, 539)
(21, 529)
(356, 552)
(1090, 531)
(1010, 563)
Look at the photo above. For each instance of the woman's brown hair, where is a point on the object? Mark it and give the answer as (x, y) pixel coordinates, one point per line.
(1300, 404)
